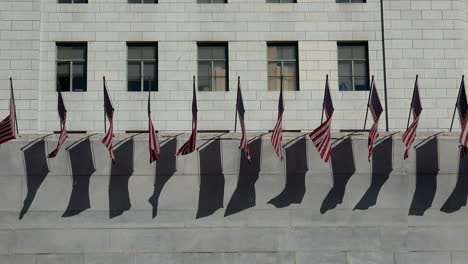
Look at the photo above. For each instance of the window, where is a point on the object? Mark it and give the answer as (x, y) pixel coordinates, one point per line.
(350, 1)
(281, 1)
(283, 62)
(142, 1)
(211, 1)
(72, 66)
(353, 66)
(142, 67)
(213, 67)
(72, 1)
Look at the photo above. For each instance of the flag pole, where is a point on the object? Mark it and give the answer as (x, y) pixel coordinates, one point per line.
(237, 106)
(456, 104)
(368, 101)
(411, 105)
(149, 95)
(323, 104)
(104, 92)
(14, 104)
(192, 98)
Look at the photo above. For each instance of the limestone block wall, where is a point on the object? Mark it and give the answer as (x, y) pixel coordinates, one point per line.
(214, 207)
(424, 37)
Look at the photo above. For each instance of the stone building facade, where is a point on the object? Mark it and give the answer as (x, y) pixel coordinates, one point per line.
(421, 37)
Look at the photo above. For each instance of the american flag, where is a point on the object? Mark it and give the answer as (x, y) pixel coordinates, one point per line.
(109, 112)
(277, 135)
(8, 125)
(376, 110)
(241, 110)
(154, 148)
(62, 112)
(189, 146)
(462, 106)
(410, 133)
(321, 136)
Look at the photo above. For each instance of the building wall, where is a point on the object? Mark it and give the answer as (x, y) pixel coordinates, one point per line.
(423, 37)
(349, 211)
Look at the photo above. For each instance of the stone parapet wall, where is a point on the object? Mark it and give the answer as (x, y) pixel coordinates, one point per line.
(214, 207)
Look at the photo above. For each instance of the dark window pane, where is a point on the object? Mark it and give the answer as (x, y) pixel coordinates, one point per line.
(361, 83)
(219, 53)
(147, 83)
(345, 68)
(148, 53)
(346, 83)
(71, 52)
(63, 76)
(360, 68)
(204, 68)
(288, 53)
(204, 84)
(345, 52)
(79, 76)
(134, 1)
(149, 70)
(205, 53)
(359, 52)
(134, 80)
(134, 53)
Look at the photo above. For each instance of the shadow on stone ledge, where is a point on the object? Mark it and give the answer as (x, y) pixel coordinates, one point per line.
(244, 195)
(37, 169)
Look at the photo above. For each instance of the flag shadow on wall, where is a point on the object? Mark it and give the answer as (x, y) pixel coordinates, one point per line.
(458, 198)
(244, 196)
(212, 181)
(82, 167)
(343, 167)
(165, 168)
(121, 171)
(381, 169)
(37, 169)
(296, 169)
(427, 169)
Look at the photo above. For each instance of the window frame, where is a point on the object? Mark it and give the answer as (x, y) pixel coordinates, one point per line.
(142, 62)
(226, 53)
(71, 2)
(211, 2)
(142, 2)
(349, 2)
(70, 63)
(284, 43)
(281, 2)
(353, 43)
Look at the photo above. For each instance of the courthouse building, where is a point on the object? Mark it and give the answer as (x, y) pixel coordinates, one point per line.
(137, 44)
(214, 205)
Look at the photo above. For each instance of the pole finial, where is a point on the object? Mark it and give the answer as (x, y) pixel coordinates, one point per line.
(238, 78)
(327, 76)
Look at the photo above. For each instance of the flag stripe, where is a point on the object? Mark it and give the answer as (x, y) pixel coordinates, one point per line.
(8, 125)
(321, 136)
